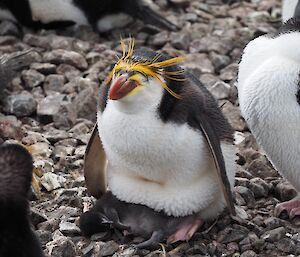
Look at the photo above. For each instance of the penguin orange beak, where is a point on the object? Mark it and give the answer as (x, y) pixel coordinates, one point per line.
(122, 87)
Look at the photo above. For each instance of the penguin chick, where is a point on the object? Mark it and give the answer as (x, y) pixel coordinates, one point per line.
(269, 95)
(16, 236)
(102, 15)
(167, 144)
(136, 219)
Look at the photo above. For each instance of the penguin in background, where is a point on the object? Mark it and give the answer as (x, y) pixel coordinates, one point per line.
(16, 236)
(269, 96)
(102, 15)
(160, 142)
(290, 9)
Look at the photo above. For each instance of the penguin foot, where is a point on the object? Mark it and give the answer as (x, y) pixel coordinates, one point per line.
(186, 230)
(292, 207)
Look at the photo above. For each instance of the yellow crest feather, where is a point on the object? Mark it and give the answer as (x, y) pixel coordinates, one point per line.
(151, 68)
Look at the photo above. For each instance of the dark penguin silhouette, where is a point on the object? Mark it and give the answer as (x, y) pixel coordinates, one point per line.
(16, 236)
(103, 15)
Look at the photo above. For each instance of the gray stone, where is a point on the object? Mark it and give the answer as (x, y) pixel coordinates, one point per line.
(286, 245)
(219, 61)
(68, 228)
(20, 105)
(107, 248)
(54, 83)
(44, 68)
(61, 247)
(274, 234)
(50, 105)
(51, 181)
(285, 191)
(86, 103)
(69, 57)
(66, 116)
(259, 169)
(233, 114)
(181, 41)
(220, 90)
(247, 194)
(44, 236)
(32, 78)
(248, 253)
(68, 71)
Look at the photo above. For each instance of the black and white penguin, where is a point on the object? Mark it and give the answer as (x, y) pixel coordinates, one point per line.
(103, 15)
(269, 95)
(167, 143)
(290, 9)
(16, 236)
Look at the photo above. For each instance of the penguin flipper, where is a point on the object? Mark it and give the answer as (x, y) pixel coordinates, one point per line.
(142, 10)
(215, 149)
(95, 165)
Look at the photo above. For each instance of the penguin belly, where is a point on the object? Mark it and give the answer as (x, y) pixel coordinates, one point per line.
(47, 11)
(269, 105)
(165, 166)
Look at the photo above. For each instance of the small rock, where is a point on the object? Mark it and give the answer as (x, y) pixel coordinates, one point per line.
(9, 28)
(59, 56)
(220, 90)
(50, 105)
(32, 78)
(219, 61)
(259, 169)
(286, 245)
(233, 114)
(181, 41)
(21, 105)
(68, 228)
(274, 234)
(43, 236)
(54, 83)
(107, 248)
(52, 181)
(248, 253)
(61, 247)
(247, 194)
(44, 68)
(285, 191)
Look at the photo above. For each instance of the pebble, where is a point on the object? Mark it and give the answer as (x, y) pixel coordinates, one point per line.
(32, 78)
(20, 105)
(51, 181)
(60, 56)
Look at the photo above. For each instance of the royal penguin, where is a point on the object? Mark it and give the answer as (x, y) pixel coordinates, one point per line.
(161, 141)
(16, 236)
(102, 15)
(269, 96)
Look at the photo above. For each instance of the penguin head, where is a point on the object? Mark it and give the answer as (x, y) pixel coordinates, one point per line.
(141, 76)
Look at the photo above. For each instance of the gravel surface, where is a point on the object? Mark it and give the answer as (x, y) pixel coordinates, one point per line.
(50, 106)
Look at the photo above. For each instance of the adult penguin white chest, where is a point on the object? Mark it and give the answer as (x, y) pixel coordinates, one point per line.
(268, 86)
(167, 144)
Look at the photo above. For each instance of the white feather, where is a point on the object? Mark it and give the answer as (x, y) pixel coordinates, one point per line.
(47, 11)
(109, 22)
(268, 81)
(288, 9)
(174, 157)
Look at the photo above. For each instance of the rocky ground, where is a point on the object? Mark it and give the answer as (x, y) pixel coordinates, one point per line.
(50, 107)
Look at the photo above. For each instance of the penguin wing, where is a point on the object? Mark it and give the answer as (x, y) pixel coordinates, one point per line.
(213, 142)
(95, 165)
